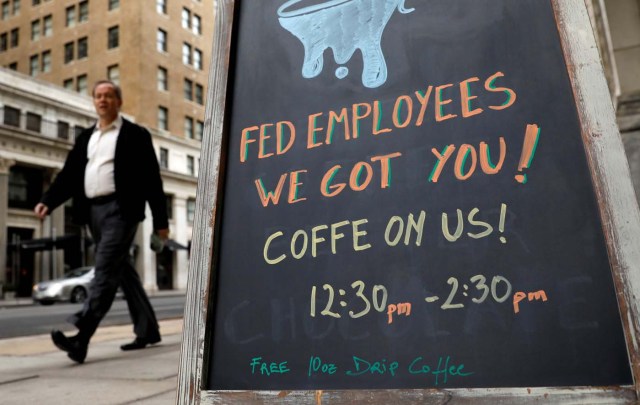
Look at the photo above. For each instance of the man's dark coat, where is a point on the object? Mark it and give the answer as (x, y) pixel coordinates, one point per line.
(136, 174)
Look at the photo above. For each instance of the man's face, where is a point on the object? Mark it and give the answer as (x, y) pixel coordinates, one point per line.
(106, 101)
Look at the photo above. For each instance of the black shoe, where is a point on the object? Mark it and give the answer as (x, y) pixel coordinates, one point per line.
(75, 350)
(140, 343)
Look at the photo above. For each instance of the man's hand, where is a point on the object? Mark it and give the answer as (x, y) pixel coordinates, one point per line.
(41, 210)
(163, 234)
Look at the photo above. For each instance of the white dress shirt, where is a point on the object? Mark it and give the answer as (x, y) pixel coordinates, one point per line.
(101, 151)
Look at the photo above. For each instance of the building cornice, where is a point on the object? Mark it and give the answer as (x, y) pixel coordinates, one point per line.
(185, 178)
(24, 147)
(40, 91)
(166, 137)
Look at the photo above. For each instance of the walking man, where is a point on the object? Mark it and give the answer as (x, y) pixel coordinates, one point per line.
(111, 172)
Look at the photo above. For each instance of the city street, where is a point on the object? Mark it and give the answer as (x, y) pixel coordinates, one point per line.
(34, 319)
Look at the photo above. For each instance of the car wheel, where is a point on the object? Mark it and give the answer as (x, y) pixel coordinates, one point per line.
(78, 295)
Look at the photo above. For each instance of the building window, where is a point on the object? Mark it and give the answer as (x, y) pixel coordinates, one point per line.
(163, 118)
(13, 66)
(113, 74)
(46, 61)
(161, 6)
(199, 96)
(63, 130)
(197, 59)
(5, 10)
(113, 4)
(70, 16)
(15, 37)
(3, 42)
(83, 11)
(48, 26)
(191, 210)
(186, 54)
(35, 2)
(11, 116)
(34, 122)
(113, 37)
(164, 158)
(199, 130)
(197, 24)
(188, 127)
(68, 52)
(77, 130)
(188, 89)
(83, 48)
(25, 187)
(186, 19)
(169, 206)
(35, 30)
(163, 83)
(81, 85)
(68, 84)
(16, 7)
(161, 41)
(190, 166)
(34, 65)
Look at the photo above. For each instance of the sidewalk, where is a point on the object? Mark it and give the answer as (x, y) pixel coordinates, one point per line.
(34, 371)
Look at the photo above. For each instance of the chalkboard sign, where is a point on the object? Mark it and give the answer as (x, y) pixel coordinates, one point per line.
(404, 198)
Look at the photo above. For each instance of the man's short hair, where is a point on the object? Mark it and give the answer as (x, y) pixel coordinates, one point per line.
(115, 86)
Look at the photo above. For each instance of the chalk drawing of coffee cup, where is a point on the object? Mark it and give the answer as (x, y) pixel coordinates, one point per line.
(343, 26)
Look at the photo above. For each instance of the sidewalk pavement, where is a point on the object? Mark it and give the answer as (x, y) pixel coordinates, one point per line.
(34, 371)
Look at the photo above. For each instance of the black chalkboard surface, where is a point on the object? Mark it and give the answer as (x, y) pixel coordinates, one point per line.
(407, 204)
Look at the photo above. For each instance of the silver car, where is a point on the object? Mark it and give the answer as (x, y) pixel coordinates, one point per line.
(73, 287)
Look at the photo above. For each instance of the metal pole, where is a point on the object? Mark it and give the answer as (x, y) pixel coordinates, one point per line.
(15, 240)
(83, 247)
(53, 254)
(16, 275)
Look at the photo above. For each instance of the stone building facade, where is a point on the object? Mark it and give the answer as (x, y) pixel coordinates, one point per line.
(38, 124)
(158, 52)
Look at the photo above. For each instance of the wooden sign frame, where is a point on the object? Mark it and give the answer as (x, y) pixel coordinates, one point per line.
(614, 192)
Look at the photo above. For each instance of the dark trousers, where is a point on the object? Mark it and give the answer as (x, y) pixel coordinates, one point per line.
(113, 237)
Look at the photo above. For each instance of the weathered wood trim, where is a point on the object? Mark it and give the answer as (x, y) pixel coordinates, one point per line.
(608, 164)
(424, 397)
(198, 300)
(610, 173)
